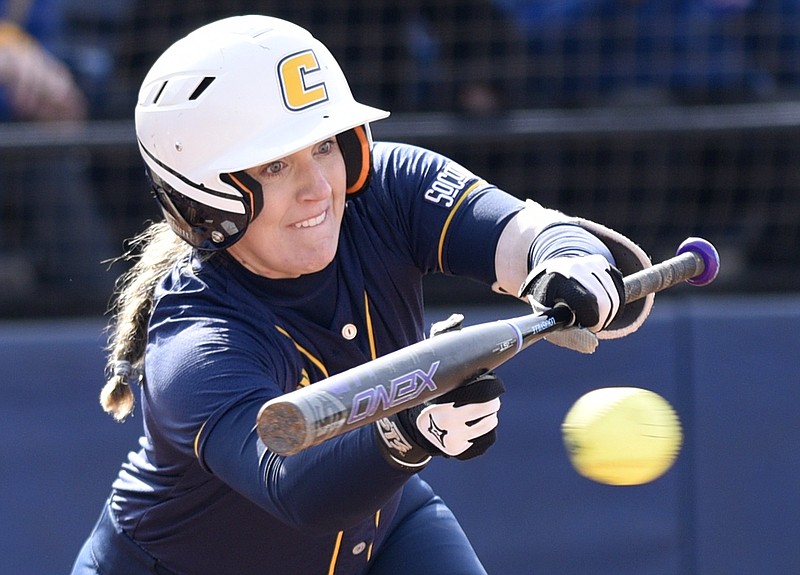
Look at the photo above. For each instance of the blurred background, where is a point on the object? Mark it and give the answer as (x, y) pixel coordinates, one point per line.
(659, 118)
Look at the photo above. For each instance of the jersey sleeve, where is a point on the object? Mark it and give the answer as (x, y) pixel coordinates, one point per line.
(450, 217)
(328, 487)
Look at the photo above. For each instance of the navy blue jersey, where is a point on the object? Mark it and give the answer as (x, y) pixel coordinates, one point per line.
(203, 494)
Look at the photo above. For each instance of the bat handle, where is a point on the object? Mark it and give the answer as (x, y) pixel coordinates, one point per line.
(696, 262)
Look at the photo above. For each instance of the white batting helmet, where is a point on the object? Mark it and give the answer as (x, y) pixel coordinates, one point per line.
(234, 94)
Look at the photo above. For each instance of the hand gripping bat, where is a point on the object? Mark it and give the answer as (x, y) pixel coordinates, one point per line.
(432, 367)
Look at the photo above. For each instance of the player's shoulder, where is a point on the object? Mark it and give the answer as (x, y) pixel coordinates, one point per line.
(212, 290)
(402, 167)
(398, 156)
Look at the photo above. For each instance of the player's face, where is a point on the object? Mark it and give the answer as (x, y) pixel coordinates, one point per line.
(297, 231)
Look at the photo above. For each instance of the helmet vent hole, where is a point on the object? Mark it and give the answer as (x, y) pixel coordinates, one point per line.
(160, 91)
(205, 83)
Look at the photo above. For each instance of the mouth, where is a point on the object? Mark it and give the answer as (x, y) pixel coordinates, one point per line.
(312, 222)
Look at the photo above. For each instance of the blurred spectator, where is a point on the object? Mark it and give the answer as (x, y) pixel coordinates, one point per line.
(88, 44)
(34, 84)
(52, 233)
(708, 59)
(774, 40)
(595, 52)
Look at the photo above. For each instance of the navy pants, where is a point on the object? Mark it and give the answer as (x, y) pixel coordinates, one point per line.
(424, 537)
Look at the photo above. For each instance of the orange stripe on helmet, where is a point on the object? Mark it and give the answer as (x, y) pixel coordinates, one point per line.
(247, 191)
(363, 141)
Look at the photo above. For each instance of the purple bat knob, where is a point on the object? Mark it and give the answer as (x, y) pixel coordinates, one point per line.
(710, 258)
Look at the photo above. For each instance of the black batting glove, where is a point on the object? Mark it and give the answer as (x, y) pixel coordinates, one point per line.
(591, 287)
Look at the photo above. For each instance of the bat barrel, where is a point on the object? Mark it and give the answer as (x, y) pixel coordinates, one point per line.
(283, 427)
(382, 387)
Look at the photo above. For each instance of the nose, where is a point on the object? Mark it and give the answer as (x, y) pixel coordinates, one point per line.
(314, 184)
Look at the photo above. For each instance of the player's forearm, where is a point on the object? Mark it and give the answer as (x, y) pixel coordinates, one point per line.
(335, 485)
(522, 236)
(528, 237)
(566, 240)
(323, 489)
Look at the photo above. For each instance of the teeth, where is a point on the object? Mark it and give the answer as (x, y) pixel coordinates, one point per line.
(311, 222)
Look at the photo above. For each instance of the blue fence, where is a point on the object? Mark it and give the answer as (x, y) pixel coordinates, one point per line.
(731, 504)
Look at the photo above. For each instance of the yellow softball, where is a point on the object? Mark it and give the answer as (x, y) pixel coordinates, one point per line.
(622, 435)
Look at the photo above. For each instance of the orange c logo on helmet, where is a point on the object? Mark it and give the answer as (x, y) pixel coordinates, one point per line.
(296, 73)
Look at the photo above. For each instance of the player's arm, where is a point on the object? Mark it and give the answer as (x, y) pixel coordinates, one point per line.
(207, 381)
(325, 488)
(550, 257)
(459, 224)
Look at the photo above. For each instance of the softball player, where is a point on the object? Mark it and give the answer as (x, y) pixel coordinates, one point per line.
(293, 248)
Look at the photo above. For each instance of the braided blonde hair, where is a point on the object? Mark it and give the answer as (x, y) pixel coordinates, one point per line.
(154, 251)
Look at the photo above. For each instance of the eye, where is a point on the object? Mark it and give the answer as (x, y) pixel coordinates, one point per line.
(326, 147)
(272, 168)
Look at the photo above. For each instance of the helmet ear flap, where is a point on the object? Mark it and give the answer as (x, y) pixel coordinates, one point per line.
(356, 147)
(199, 224)
(172, 214)
(250, 188)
